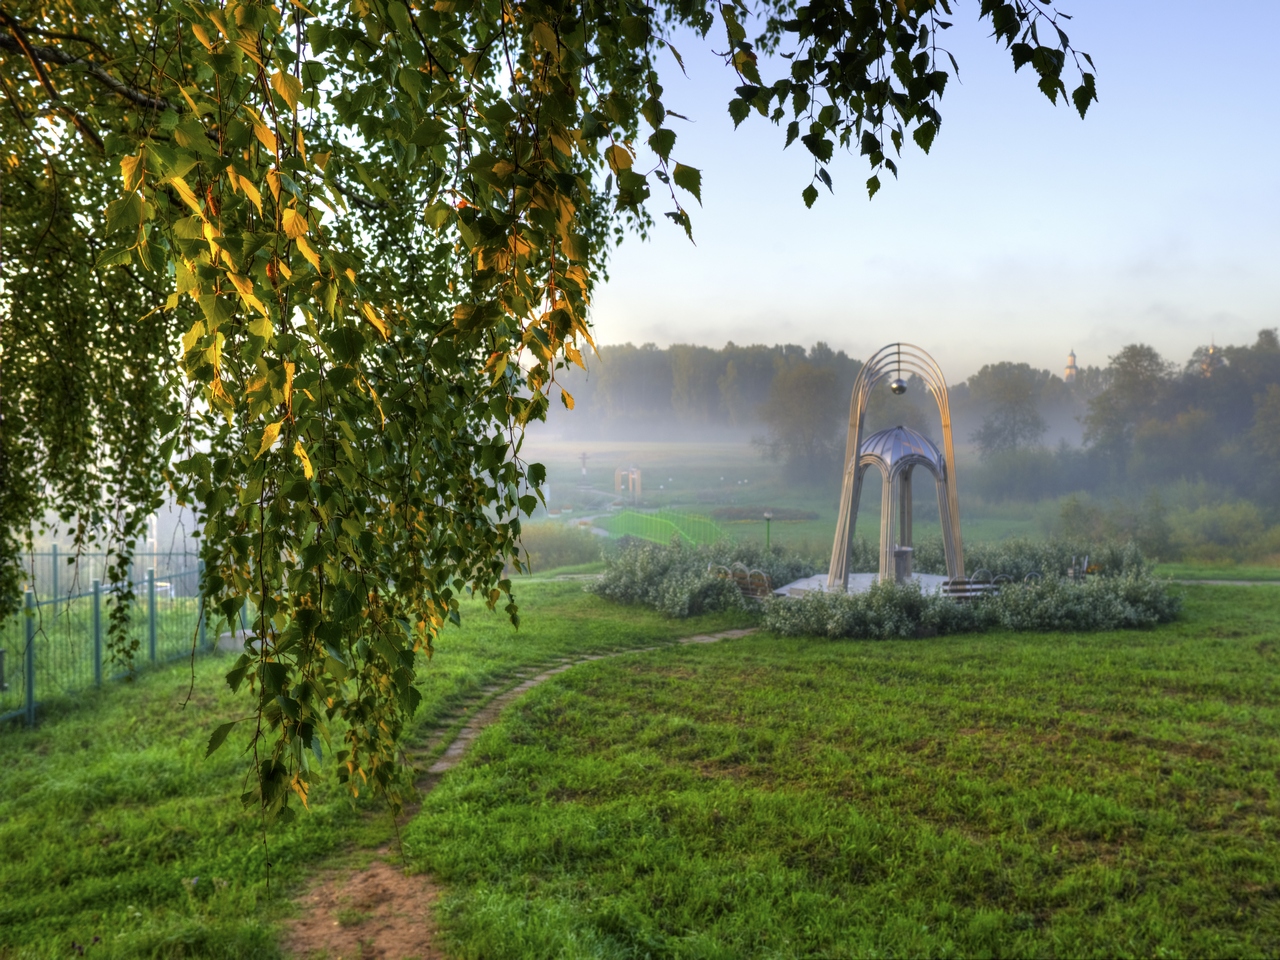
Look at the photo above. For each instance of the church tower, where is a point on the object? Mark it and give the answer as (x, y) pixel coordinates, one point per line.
(1069, 374)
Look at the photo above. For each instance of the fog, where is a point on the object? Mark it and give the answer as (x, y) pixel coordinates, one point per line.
(1180, 453)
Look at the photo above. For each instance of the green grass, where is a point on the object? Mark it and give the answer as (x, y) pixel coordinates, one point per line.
(114, 826)
(64, 644)
(1055, 795)
(1216, 571)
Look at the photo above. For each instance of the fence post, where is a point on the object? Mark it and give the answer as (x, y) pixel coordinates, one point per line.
(29, 660)
(204, 625)
(53, 548)
(151, 612)
(97, 633)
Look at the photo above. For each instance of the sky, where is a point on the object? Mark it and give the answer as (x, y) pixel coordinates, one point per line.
(1025, 233)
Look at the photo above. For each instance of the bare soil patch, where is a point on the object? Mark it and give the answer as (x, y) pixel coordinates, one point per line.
(378, 913)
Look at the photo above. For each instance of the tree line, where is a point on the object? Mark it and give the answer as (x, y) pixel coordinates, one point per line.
(1140, 419)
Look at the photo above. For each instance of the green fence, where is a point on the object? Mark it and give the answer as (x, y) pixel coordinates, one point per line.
(57, 645)
(660, 527)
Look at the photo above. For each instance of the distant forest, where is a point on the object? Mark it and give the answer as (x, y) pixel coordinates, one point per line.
(1139, 420)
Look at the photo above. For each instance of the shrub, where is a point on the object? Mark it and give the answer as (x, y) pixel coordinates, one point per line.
(1016, 558)
(1132, 599)
(551, 545)
(886, 610)
(674, 578)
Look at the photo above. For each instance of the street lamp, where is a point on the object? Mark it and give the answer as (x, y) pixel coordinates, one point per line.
(768, 519)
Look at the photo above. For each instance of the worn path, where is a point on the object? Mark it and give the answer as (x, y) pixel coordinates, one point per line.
(381, 912)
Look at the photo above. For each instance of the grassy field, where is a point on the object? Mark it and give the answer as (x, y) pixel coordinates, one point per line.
(1217, 571)
(1054, 795)
(114, 827)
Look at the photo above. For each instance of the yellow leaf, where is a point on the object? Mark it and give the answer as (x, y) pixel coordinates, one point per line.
(321, 159)
(351, 274)
(566, 398)
(269, 437)
(288, 383)
(301, 453)
(284, 269)
(302, 147)
(313, 258)
(133, 169)
(245, 186)
(295, 224)
(273, 182)
(191, 336)
(250, 47)
(244, 286)
(289, 88)
(203, 36)
(187, 97)
(268, 138)
(180, 187)
(618, 157)
(378, 323)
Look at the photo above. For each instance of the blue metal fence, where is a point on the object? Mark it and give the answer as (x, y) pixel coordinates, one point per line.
(56, 645)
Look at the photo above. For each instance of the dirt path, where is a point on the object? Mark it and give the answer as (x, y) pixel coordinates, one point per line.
(379, 912)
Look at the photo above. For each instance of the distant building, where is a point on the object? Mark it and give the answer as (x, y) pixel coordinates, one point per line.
(1069, 374)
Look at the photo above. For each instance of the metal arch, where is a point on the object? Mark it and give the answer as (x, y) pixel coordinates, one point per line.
(892, 360)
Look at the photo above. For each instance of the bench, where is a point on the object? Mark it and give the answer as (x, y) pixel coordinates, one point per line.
(752, 584)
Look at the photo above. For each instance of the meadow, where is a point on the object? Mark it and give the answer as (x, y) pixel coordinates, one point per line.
(1101, 794)
(1108, 794)
(119, 837)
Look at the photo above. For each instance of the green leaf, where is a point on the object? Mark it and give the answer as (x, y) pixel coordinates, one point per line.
(662, 141)
(810, 195)
(124, 214)
(738, 110)
(1084, 95)
(112, 258)
(218, 737)
(924, 134)
(688, 178)
(873, 186)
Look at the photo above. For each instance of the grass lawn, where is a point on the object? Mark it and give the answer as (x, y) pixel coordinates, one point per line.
(1216, 571)
(999, 795)
(113, 826)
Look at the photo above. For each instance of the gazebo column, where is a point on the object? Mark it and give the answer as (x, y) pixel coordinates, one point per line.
(950, 549)
(846, 524)
(904, 508)
(888, 521)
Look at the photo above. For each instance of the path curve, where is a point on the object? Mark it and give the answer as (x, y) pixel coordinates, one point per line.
(362, 914)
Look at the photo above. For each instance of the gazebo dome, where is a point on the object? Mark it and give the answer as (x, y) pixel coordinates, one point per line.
(898, 448)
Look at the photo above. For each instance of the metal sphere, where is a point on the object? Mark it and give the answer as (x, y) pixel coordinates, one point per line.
(898, 386)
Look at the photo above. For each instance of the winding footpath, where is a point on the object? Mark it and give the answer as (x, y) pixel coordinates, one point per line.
(378, 912)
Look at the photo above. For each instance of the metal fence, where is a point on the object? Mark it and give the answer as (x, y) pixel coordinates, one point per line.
(57, 645)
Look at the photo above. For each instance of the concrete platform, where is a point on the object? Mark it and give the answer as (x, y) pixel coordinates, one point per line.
(857, 583)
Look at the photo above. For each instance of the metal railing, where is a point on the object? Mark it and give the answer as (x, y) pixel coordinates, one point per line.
(56, 646)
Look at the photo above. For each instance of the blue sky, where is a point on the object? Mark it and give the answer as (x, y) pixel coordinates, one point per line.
(1025, 233)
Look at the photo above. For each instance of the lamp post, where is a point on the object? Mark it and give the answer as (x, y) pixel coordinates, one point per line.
(768, 519)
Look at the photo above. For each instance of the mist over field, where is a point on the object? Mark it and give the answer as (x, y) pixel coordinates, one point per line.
(1181, 454)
